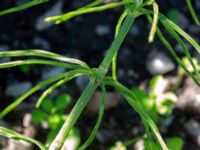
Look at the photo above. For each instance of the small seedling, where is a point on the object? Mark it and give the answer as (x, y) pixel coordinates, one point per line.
(157, 102)
(53, 113)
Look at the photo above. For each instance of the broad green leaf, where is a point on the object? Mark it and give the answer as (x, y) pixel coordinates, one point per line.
(175, 143)
(47, 105)
(150, 145)
(54, 121)
(140, 94)
(39, 115)
(62, 101)
(148, 103)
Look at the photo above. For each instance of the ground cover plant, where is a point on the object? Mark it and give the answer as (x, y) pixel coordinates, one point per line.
(98, 76)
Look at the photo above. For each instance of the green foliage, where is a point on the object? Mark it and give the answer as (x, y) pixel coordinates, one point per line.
(155, 102)
(53, 113)
(25, 69)
(173, 14)
(173, 143)
(192, 12)
(62, 101)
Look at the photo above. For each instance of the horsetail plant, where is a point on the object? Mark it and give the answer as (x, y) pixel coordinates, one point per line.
(98, 76)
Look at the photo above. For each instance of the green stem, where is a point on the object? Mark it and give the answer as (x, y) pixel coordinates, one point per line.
(97, 125)
(194, 16)
(36, 88)
(135, 103)
(73, 116)
(61, 18)
(118, 40)
(22, 7)
(38, 61)
(90, 89)
(117, 29)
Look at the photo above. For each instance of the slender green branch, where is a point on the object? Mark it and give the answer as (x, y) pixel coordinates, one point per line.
(173, 53)
(155, 22)
(182, 44)
(100, 116)
(22, 7)
(92, 4)
(176, 28)
(69, 15)
(70, 76)
(42, 53)
(97, 79)
(117, 29)
(135, 103)
(73, 116)
(18, 137)
(37, 61)
(118, 40)
(194, 16)
(34, 89)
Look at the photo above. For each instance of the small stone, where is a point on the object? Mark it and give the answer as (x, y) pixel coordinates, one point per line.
(41, 43)
(104, 135)
(55, 10)
(27, 120)
(113, 99)
(82, 82)
(102, 30)
(194, 29)
(182, 21)
(159, 63)
(168, 121)
(135, 30)
(3, 140)
(197, 56)
(4, 47)
(16, 145)
(139, 145)
(17, 89)
(52, 72)
(179, 48)
(193, 129)
(189, 100)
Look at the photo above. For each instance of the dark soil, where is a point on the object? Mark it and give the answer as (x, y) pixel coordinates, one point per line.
(77, 38)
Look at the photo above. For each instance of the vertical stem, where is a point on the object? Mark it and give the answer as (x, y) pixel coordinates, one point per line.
(73, 116)
(118, 40)
(88, 92)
